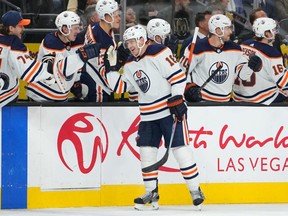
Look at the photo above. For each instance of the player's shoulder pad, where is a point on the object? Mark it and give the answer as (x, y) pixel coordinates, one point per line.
(51, 41)
(79, 39)
(201, 45)
(230, 45)
(248, 42)
(268, 50)
(154, 49)
(131, 58)
(16, 44)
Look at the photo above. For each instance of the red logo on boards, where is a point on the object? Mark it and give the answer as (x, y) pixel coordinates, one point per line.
(79, 124)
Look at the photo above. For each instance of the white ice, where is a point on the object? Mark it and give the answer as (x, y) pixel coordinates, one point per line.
(207, 210)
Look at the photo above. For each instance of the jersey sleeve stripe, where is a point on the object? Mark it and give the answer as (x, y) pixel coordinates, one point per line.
(49, 93)
(284, 79)
(31, 72)
(177, 78)
(6, 95)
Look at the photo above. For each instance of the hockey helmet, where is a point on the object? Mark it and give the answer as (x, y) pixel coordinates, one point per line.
(263, 24)
(66, 18)
(218, 21)
(158, 27)
(135, 32)
(106, 7)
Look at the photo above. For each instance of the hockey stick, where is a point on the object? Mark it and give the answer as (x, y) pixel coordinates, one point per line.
(192, 47)
(165, 157)
(219, 66)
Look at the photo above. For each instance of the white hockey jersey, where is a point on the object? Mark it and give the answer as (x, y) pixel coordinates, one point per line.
(52, 44)
(264, 86)
(16, 62)
(156, 76)
(205, 61)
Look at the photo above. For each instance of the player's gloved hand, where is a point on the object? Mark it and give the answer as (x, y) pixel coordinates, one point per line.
(255, 63)
(114, 59)
(48, 58)
(4, 81)
(172, 43)
(110, 59)
(177, 107)
(122, 54)
(192, 93)
(77, 90)
(89, 51)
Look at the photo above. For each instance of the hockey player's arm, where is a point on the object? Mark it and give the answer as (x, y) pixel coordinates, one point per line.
(27, 68)
(119, 83)
(246, 68)
(172, 71)
(115, 58)
(73, 63)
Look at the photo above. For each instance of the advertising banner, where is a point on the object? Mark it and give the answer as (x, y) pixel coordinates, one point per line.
(86, 147)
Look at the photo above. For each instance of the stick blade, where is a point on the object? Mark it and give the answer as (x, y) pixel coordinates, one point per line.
(157, 165)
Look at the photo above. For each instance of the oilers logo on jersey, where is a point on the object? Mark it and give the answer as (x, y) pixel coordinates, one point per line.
(222, 74)
(142, 80)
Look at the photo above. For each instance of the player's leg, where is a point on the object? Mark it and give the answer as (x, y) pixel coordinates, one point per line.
(185, 159)
(149, 137)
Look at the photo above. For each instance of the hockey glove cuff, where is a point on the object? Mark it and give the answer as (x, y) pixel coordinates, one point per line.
(177, 106)
(89, 51)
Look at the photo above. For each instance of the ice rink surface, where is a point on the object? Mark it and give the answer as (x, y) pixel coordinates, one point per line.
(207, 210)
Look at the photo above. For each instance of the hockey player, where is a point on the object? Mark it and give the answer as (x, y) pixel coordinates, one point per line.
(61, 44)
(155, 74)
(16, 61)
(102, 32)
(268, 84)
(214, 54)
(159, 31)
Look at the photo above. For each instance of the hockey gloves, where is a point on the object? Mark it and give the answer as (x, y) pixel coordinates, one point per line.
(192, 93)
(114, 59)
(89, 51)
(4, 81)
(48, 58)
(77, 90)
(177, 106)
(122, 54)
(255, 63)
(172, 43)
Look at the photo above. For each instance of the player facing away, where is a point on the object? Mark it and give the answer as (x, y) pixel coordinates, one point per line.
(210, 54)
(16, 62)
(154, 73)
(102, 32)
(159, 31)
(270, 83)
(61, 44)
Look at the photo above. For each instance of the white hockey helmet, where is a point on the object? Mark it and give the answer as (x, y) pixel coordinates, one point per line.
(66, 18)
(263, 24)
(135, 32)
(218, 21)
(158, 27)
(106, 7)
